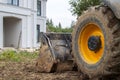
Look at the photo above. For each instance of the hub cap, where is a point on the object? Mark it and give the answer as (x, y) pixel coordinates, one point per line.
(94, 43)
(91, 43)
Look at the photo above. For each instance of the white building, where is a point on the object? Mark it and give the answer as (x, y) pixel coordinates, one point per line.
(20, 23)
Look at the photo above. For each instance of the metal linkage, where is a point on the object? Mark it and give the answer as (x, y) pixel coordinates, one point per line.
(50, 46)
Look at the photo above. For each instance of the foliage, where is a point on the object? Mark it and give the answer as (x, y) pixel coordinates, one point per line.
(59, 25)
(52, 28)
(78, 6)
(11, 55)
(57, 29)
(49, 22)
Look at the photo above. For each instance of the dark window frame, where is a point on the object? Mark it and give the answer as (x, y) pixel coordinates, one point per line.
(12, 3)
(38, 33)
(39, 6)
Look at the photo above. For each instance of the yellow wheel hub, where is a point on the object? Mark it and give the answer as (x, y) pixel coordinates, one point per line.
(91, 43)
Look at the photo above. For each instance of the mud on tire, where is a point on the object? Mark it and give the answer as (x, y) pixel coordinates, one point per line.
(109, 65)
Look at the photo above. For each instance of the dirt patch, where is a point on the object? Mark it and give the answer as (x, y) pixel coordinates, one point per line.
(26, 71)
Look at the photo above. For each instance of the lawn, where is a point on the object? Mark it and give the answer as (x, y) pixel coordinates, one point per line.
(17, 56)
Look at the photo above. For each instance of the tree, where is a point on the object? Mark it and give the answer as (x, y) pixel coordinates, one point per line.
(78, 6)
(72, 24)
(50, 25)
(59, 25)
(52, 28)
(49, 22)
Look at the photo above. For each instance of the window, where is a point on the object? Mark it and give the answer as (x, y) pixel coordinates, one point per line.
(38, 7)
(38, 33)
(13, 2)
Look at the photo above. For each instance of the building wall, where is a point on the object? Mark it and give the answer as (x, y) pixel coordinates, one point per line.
(41, 20)
(1, 31)
(27, 13)
(31, 4)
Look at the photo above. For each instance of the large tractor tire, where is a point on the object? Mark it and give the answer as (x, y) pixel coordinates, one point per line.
(96, 43)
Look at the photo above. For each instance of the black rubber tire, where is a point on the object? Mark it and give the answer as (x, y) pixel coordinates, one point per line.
(109, 65)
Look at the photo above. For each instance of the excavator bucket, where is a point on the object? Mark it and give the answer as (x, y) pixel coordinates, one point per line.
(55, 53)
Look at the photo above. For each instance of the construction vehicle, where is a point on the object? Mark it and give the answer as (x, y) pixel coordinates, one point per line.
(93, 47)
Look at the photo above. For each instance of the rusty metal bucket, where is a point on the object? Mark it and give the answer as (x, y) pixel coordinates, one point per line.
(55, 53)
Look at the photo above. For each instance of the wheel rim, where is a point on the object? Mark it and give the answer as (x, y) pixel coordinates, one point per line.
(91, 43)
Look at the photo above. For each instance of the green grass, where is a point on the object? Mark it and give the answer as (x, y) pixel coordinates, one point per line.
(14, 56)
